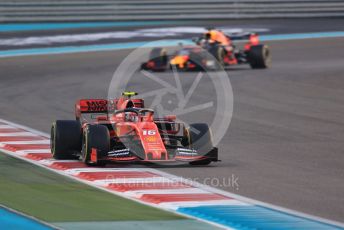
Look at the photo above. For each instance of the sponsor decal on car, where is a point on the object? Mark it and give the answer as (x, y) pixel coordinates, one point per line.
(119, 153)
(186, 152)
(150, 139)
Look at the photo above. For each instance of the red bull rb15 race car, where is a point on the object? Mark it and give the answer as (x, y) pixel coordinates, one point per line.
(213, 50)
(123, 130)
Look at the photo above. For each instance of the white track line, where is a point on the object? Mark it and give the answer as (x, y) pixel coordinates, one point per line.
(6, 127)
(176, 205)
(91, 37)
(25, 152)
(36, 142)
(22, 134)
(144, 180)
(51, 161)
(17, 126)
(139, 193)
(76, 171)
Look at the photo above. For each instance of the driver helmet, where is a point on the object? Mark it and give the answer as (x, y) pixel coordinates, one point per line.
(131, 117)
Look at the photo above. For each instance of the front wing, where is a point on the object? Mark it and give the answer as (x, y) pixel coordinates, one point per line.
(182, 155)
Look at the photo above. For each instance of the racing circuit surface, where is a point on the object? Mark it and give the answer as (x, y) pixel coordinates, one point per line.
(285, 142)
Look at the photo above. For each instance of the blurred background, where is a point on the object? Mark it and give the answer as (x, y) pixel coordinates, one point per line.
(117, 10)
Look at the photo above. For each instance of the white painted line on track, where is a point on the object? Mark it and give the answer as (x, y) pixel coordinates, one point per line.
(24, 152)
(22, 134)
(36, 142)
(6, 127)
(176, 205)
(143, 180)
(134, 45)
(51, 161)
(143, 33)
(139, 193)
(76, 171)
(17, 126)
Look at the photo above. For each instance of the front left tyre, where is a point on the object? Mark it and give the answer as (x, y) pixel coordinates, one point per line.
(65, 139)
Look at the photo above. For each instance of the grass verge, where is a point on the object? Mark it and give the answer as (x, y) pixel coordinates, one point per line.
(53, 198)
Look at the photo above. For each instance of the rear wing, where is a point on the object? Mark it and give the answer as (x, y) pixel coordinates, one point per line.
(238, 36)
(243, 36)
(249, 37)
(90, 106)
(100, 106)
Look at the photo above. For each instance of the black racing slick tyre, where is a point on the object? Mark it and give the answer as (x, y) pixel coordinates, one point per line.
(97, 137)
(201, 140)
(159, 55)
(259, 57)
(156, 52)
(65, 139)
(219, 53)
(221, 56)
(196, 59)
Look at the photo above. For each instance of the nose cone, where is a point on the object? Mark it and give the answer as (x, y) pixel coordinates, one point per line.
(157, 155)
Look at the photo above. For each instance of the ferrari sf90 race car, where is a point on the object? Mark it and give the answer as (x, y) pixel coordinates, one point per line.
(213, 50)
(123, 130)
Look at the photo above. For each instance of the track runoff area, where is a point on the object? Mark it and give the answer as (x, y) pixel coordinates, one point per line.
(156, 188)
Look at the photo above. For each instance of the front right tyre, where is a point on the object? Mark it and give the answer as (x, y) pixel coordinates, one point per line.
(200, 139)
(95, 137)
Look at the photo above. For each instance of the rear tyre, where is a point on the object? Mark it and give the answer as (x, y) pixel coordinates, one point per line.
(159, 55)
(196, 59)
(156, 52)
(201, 140)
(65, 139)
(221, 56)
(219, 53)
(98, 137)
(259, 57)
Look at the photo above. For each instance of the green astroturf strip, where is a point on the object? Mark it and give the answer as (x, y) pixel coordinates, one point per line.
(53, 198)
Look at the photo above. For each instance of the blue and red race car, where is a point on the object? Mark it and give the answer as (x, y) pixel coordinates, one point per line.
(213, 50)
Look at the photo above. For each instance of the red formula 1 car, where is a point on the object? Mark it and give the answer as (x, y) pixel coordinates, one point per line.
(122, 130)
(214, 50)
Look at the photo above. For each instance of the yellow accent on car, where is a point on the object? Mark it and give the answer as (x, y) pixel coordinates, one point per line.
(178, 60)
(129, 94)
